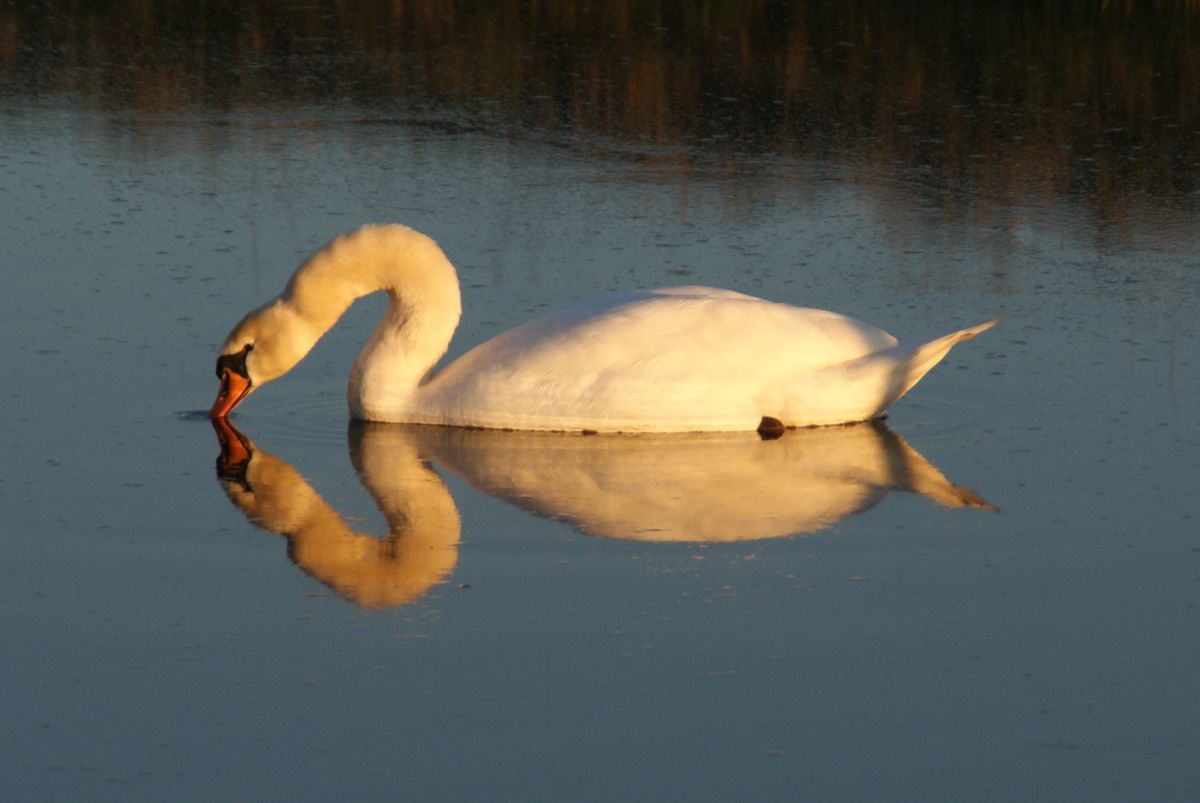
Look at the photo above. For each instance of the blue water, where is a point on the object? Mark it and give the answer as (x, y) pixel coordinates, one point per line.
(159, 643)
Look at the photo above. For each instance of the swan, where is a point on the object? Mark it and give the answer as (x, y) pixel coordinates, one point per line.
(676, 359)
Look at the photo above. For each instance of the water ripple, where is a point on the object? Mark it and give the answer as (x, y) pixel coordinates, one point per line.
(319, 418)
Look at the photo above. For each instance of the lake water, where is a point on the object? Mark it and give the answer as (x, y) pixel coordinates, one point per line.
(994, 596)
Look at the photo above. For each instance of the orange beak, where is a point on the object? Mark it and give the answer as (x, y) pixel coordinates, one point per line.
(234, 388)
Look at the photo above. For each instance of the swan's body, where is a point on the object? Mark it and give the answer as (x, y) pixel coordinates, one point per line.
(668, 360)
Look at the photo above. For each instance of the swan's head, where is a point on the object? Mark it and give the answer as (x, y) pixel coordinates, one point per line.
(264, 346)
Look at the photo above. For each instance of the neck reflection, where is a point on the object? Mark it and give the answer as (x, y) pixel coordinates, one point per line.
(419, 551)
(691, 488)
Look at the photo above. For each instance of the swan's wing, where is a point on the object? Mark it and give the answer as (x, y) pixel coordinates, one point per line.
(686, 356)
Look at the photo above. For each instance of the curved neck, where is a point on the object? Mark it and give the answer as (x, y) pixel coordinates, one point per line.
(423, 309)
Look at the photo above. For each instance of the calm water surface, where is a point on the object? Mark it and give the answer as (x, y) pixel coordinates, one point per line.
(992, 597)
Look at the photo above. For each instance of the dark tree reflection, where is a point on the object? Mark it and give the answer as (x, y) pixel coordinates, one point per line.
(1098, 100)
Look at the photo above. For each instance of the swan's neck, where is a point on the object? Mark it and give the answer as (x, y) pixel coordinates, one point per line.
(424, 306)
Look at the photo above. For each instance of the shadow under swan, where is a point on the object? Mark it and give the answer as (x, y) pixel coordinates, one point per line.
(702, 487)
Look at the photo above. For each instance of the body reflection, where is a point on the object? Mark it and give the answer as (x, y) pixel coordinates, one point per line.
(699, 487)
(705, 487)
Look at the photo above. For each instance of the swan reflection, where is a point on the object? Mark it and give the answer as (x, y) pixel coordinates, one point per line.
(704, 487)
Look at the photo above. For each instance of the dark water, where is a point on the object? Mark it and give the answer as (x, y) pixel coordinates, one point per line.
(833, 615)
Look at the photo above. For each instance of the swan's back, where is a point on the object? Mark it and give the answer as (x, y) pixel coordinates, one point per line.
(686, 358)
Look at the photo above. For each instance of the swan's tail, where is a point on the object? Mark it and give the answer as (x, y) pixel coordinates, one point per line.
(921, 359)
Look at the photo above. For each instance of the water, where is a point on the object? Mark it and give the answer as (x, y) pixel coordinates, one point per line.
(637, 620)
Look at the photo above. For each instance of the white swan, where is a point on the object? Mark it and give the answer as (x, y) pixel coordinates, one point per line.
(669, 360)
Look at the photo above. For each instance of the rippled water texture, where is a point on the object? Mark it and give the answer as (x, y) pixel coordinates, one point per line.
(992, 596)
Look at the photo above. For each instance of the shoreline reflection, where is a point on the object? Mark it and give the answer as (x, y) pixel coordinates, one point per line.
(1000, 104)
(717, 487)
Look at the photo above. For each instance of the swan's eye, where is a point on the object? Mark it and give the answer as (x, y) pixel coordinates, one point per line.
(235, 362)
